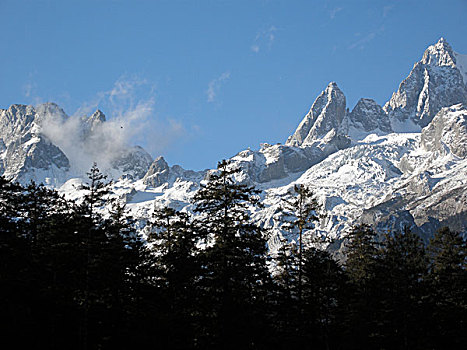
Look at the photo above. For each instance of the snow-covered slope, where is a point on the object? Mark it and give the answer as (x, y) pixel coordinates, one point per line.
(389, 181)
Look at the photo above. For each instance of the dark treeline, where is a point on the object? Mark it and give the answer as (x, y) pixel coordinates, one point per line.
(72, 278)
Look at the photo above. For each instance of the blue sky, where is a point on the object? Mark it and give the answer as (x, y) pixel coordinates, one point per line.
(200, 81)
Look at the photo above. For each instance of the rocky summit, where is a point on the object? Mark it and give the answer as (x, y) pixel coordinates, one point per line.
(401, 164)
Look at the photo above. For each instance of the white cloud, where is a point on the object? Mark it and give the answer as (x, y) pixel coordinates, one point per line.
(131, 118)
(366, 39)
(28, 88)
(263, 38)
(387, 9)
(334, 11)
(215, 85)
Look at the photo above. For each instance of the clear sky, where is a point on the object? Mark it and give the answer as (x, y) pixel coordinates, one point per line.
(200, 81)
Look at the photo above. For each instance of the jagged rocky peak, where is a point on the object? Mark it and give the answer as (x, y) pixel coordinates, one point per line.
(161, 173)
(158, 173)
(98, 116)
(15, 122)
(434, 82)
(26, 154)
(34, 160)
(50, 109)
(18, 110)
(369, 116)
(159, 165)
(447, 132)
(18, 120)
(48, 112)
(134, 163)
(92, 122)
(326, 114)
(439, 54)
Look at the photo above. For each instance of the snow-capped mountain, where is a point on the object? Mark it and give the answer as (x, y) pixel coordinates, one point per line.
(44, 144)
(401, 164)
(25, 153)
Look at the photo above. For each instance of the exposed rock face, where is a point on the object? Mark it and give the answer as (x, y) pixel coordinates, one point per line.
(160, 173)
(326, 114)
(92, 123)
(30, 160)
(134, 163)
(369, 116)
(25, 153)
(15, 122)
(328, 125)
(447, 132)
(434, 82)
(272, 162)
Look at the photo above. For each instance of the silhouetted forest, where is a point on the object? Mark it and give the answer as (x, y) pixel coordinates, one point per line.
(73, 278)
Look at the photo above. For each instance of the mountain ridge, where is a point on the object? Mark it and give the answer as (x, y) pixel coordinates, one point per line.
(403, 163)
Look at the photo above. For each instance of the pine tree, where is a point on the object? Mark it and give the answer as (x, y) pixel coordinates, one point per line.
(15, 265)
(234, 278)
(133, 310)
(285, 274)
(177, 267)
(299, 214)
(323, 290)
(94, 243)
(403, 265)
(96, 190)
(362, 268)
(448, 288)
(362, 255)
(42, 229)
(45, 223)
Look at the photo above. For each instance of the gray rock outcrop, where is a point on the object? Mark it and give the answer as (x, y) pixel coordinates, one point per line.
(161, 173)
(369, 116)
(447, 132)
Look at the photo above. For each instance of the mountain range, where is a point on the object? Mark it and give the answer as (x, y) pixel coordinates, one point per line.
(401, 164)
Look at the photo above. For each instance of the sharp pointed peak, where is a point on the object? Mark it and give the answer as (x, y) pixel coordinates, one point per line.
(332, 87)
(332, 90)
(98, 112)
(98, 115)
(442, 43)
(159, 164)
(48, 104)
(49, 108)
(440, 54)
